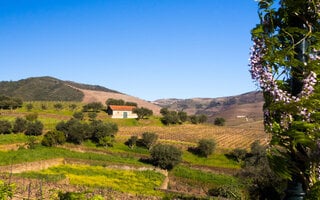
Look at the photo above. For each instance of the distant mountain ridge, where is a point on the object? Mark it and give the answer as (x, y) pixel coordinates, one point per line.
(46, 89)
(235, 109)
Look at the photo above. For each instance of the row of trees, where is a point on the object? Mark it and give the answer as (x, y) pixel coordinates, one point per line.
(28, 125)
(174, 117)
(10, 103)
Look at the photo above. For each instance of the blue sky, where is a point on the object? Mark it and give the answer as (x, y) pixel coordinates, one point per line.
(150, 49)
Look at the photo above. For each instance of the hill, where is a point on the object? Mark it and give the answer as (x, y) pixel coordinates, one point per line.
(52, 89)
(235, 109)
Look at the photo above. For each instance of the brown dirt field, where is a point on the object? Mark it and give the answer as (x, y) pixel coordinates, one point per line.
(100, 96)
(226, 137)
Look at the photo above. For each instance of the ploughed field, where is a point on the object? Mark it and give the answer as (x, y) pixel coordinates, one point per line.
(120, 172)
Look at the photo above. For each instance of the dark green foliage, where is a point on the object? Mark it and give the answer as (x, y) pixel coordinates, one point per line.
(72, 106)
(314, 193)
(5, 127)
(78, 115)
(225, 192)
(9, 103)
(128, 103)
(77, 131)
(183, 116)
(132, 141)
(171, 117)
(32, 142)
(40, 89)
(165, 156)
(118, 102)
(34, 128)
(164, 111)
(92, 107)
(71, 196)
(53, 138)
(100, 130)
(92, 115)
(149, 139)
(58, 106)
(44, 107)
(32, 117)
(198, 119)
(29, 106)
(219, 121)
(19, 125)
(142, 112)
(106, 141)
(206, 147)
(256, 174)
(237, 154)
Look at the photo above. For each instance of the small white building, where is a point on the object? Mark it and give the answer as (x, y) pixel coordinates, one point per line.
(121, 112)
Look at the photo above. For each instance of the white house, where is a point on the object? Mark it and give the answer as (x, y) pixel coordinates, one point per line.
(121, 112)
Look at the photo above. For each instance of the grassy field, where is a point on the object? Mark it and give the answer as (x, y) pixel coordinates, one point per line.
(194, 171)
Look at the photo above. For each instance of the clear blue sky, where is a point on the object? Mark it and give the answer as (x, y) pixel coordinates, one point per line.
(150, 49)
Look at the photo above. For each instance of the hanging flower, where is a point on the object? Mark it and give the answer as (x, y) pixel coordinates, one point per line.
(262, 74)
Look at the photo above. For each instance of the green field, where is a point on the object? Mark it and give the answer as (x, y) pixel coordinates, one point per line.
(90, 169)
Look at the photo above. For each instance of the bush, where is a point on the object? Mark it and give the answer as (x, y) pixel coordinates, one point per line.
(149, 139)
(78, 115)
(94, 107)
(165, 156)
(53, 138)
(106, 141)
(32, 117)
(132, 141)
(219, 121)
(5, 127)
(237, 154)
(29, 106)
(34, 128)
(58, 106)
(225, 192)
(206, 147)
(31, 142)
(101, 130)
(20, 125)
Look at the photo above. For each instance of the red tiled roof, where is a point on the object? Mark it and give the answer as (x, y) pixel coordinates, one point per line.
(122, 108)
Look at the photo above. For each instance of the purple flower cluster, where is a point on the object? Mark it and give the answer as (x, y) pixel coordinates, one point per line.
(262, 73)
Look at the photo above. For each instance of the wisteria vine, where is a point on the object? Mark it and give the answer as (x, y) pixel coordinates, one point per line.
(263, 75)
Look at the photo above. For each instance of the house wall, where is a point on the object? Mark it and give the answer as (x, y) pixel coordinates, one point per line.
(119, 114)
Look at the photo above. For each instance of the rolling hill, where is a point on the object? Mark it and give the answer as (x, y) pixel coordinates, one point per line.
(52, 89)
(235, 109)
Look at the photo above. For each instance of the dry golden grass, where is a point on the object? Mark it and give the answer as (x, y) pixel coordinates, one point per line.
(226, 137)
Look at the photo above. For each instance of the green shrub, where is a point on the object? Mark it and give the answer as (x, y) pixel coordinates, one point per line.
(225, 192)
(34, 128)
(219, 121)
(237, 154)
(78, 115)
(53, 138)
(20, 125)
(32, 117)
(149, 139)
(165, 156)
(100, 130)
(206, 147)
(132, 141)
(5, 127)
